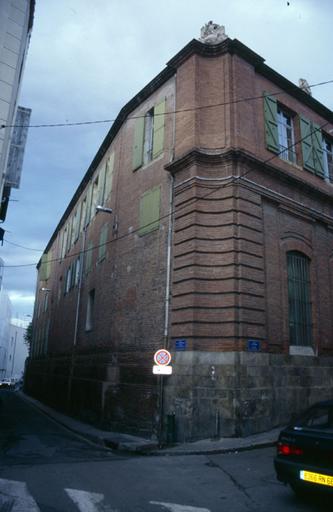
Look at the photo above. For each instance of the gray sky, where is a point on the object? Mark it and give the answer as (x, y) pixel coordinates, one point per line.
(87, 59)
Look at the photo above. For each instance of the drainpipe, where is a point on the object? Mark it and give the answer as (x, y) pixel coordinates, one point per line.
(79, 286)
(168, 270)
(168, 277)
(76, 325)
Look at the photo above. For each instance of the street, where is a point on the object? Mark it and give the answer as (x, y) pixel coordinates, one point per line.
(46, 468)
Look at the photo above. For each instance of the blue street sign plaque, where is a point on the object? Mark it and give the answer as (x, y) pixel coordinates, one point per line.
(180, 345)
(253, 345)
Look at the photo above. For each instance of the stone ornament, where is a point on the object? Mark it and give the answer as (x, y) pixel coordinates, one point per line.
(304, 85)
(212, 33)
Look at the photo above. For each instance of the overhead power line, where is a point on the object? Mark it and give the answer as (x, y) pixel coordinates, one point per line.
(215, 189)
(23, 246)
(170, 112)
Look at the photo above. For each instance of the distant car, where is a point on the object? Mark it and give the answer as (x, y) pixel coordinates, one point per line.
(304, 457)
(6, 383)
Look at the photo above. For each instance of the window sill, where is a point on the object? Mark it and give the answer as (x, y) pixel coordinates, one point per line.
(300, 350)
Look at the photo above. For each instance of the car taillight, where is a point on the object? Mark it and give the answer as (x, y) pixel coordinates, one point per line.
(288, 449)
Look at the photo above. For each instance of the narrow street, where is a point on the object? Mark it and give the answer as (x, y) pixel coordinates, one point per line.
(46, 468)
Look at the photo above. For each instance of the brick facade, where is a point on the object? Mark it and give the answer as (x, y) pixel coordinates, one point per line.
(212, 273)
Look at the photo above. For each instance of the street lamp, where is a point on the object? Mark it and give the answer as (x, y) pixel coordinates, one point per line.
(100, 208)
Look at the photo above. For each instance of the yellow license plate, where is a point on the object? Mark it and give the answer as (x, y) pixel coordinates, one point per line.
(316, 478)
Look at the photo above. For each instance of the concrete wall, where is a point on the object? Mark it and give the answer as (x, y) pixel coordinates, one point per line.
(216, 394)
(14, 38)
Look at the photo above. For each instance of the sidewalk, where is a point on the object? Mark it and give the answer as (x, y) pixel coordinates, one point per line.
(139, 445)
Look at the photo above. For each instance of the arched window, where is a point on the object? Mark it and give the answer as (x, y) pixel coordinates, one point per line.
(299, 295)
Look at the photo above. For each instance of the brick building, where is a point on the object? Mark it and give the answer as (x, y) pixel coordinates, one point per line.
(219, 247)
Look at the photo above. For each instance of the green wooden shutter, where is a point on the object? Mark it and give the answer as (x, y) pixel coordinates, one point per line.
(318, 154)
(158, 131)
(307, 150)
(139, 128)
(102, 242)
(109, 175)
(88, 208)
(89, 255)
(78, 221)
(45, 267)
(69, 237)
(271, 125)
(150, 211)
(101, 186)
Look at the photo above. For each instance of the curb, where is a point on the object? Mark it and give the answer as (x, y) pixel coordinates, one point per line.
(134, 447)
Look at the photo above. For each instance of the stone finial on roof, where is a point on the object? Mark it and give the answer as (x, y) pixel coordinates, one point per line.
(212, 33)
(304, 85)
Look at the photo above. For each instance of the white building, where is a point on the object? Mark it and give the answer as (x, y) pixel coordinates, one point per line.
(5, 316)
(16, 19)
(17, 352)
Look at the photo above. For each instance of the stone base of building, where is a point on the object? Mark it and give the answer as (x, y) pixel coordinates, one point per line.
(208, 395)
(217, 394)
(107, 390)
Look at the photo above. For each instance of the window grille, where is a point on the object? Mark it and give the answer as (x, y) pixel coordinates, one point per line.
(299, 292)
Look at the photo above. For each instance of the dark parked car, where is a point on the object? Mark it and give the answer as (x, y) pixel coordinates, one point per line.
(305, 450)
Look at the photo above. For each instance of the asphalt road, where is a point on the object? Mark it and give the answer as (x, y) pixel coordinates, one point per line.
(46, 468)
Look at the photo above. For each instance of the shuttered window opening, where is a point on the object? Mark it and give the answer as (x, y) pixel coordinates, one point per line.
(90, 311)
(279, 129)
(299, 294)
(109, 176)
(103, 236)
(89, 257)
(148, 137)
(148, 141)
(149, 215)
(286, 136)
(312, 147)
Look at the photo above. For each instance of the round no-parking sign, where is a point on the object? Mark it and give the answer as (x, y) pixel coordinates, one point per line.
(162, 357)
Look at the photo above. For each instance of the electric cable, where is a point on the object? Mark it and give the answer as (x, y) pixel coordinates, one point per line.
(163, 217)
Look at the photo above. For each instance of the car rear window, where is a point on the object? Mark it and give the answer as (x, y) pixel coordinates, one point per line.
(316, 418)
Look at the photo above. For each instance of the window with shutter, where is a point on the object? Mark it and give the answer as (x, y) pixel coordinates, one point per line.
(150, 211)
(279, 129)
(102, 243)
(158, 130)
(271, 126)
(94, 200)
(83, 214)
(88, 208)
(109, 175)
(101, 186)
(312, 148)
(45, 267)
(89, 256)
(286, 136)
(90, 311)
(138, 143)
(317, 143)
(149, 136)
